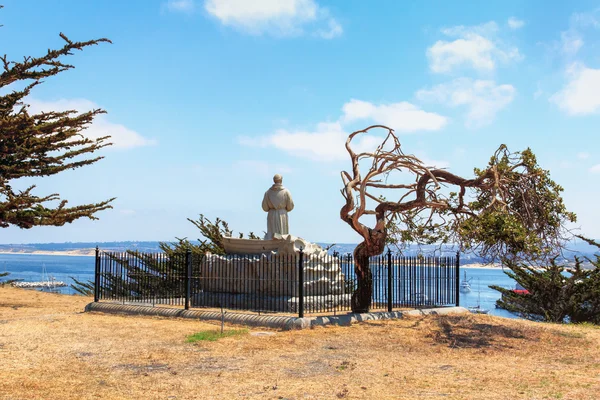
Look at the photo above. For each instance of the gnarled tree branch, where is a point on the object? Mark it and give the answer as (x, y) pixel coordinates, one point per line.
(508, 209)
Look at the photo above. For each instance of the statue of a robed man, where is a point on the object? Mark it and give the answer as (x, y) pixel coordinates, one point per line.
(277, 202)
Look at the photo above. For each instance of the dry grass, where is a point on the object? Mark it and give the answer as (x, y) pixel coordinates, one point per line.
(49, 349)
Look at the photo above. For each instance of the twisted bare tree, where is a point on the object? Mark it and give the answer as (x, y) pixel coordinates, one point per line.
(510, 209)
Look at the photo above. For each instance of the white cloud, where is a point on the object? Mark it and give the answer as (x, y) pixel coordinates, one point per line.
(402, 117)
(333, 30)
(514, 23)
(276, 17)
(581, 94)
(327, 141)
(570, 42)
(121, 136)
(595, 169)
(185, 6)
(483, 98)
(445, 56)
(431, 163)
(586, 20)
(476, 47)
(583, 155)
(487, 29)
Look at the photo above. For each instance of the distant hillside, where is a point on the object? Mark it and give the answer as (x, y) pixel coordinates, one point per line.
(411, 250)
(575, 248)
(69, 246)
(579, 246)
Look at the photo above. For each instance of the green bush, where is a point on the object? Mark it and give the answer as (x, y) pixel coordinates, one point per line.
(557, 293)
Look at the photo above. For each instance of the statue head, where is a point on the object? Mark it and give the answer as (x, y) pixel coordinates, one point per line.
(277, 179)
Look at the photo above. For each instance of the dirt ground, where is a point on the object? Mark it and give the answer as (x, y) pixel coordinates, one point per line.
(51, 349)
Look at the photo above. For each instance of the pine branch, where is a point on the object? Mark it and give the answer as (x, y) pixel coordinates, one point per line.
(7, 282)
(83, 288)
(36, 68)
(43, 144)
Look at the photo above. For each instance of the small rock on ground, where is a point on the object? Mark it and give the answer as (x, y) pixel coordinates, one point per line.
(262, 333)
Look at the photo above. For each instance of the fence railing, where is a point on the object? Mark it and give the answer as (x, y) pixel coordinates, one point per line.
(298, 283)
(141, 277)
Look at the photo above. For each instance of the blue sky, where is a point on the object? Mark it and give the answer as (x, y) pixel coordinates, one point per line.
(207, 99)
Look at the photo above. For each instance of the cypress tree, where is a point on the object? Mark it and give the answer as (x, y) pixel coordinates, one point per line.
(555, 292)
(42, 144)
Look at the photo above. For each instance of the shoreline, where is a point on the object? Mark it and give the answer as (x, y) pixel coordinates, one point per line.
(75, 253)
(91, 253)
(482, 266)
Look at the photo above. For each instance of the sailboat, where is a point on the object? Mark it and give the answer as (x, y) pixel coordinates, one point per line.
(465, 285)
(48, 282)
(477, 309)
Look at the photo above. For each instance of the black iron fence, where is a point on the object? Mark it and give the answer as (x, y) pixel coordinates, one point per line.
(300, 283)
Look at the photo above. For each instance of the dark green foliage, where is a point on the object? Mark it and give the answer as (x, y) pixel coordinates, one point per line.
(212, 242)
(511, 210)
(144, 275)
(212, 233)
(83, 288)
(523, 217)
(557, 293)
(38, 145)
(146, 272)
(6, 282)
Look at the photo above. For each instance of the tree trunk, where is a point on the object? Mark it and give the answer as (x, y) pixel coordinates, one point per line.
(361, 298)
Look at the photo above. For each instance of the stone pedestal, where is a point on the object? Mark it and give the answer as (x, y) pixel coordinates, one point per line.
(270, 268)
(279, 244)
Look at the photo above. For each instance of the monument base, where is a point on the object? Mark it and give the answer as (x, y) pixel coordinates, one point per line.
(271, 268)
(289, 304)
(280, 244)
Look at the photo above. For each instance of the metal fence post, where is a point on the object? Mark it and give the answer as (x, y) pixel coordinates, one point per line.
(389, 279)
(457, 279)
(301, 284)
(97, 276)
(188, 276)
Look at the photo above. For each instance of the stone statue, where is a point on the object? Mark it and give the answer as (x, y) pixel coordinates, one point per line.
(277, 202)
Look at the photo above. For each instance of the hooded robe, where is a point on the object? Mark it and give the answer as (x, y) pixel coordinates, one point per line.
(277, 202)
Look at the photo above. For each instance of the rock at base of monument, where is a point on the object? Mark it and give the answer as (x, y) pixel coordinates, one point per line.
(270, 303)
(270, 268)
(280, 244)
(317, 304)
(269, 277)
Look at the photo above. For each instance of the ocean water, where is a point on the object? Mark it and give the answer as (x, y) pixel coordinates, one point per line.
(481, 279)
(29, 268)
